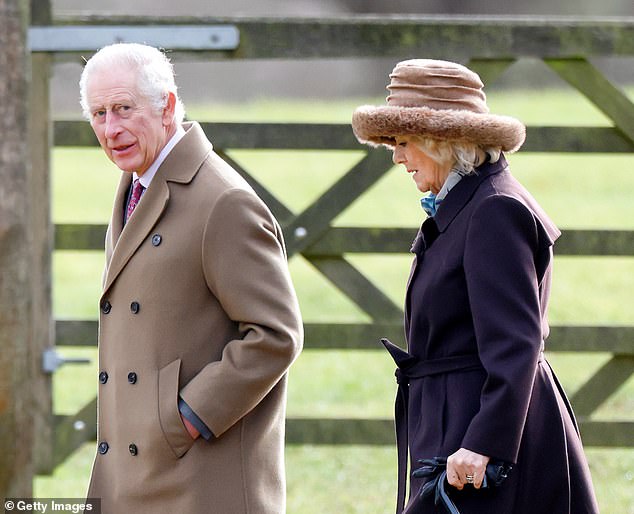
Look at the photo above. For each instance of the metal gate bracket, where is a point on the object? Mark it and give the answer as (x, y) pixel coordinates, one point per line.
(71, 38)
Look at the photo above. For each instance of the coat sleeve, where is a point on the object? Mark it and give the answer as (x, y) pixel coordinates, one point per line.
(245, 267)
(499, 262)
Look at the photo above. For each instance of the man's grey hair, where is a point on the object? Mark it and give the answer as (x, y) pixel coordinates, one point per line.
(155, 74)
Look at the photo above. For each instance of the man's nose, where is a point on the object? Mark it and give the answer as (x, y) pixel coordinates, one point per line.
(113, 126)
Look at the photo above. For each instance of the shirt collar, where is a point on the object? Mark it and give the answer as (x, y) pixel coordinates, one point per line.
(147, 177)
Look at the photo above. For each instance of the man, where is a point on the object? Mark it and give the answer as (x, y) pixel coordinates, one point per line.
(199, 321)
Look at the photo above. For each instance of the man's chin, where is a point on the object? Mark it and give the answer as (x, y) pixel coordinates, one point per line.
(124, 165)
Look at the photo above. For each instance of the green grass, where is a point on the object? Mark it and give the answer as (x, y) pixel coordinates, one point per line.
(578, 191)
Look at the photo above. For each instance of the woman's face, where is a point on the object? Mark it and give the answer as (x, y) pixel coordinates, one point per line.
(427, 173)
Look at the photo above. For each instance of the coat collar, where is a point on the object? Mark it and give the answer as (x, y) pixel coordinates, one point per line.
(452, 204)
(460, 195)
(181, 165)
(464, 190)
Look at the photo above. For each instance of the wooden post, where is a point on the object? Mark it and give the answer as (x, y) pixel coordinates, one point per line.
(40, 139)
(16, 393)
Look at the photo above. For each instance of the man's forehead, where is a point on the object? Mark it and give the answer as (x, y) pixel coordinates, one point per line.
(111, 88)
(111, 94)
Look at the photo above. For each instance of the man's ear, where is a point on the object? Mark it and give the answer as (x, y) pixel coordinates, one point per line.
(168, 110)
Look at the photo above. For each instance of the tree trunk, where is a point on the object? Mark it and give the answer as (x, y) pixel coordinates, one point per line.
(16, 397)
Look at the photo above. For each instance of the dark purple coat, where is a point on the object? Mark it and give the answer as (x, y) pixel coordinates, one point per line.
(479, 285)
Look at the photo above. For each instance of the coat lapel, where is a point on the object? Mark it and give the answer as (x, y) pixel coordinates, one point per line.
(181, 165)
(464, 191)
(116, 220)
(424, 239)
(136, 230)
(433, 227)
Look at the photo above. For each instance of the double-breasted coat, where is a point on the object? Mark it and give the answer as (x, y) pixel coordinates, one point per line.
(198, 303)
(479, 286)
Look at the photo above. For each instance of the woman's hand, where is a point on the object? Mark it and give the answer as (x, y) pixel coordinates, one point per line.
(465, 463)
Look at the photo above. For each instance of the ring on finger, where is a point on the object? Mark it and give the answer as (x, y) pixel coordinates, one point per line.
(470, 479)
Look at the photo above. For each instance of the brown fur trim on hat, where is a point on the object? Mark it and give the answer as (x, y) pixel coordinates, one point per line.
(380, 125)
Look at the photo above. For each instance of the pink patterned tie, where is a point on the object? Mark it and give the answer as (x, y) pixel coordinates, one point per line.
(137, 191)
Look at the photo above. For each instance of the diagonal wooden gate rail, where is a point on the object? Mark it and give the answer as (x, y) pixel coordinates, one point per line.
(490, 46)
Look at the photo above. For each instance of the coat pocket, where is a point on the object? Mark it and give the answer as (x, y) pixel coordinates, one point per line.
(172, 426)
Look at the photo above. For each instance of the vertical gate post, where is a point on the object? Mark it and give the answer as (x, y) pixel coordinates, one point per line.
(16, 393)
(40, 142)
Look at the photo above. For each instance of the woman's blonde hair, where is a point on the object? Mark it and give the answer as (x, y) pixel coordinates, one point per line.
(463, 157)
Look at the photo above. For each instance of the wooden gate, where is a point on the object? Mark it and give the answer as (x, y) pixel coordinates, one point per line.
(489, 46)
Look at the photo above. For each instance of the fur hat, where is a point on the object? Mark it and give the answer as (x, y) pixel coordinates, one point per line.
(437, 99)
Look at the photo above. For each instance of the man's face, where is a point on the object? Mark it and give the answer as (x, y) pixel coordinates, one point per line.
(129, 130)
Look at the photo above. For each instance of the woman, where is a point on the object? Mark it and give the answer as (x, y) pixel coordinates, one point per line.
(476, 386)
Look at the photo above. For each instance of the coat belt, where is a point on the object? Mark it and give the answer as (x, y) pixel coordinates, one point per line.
(410, 368)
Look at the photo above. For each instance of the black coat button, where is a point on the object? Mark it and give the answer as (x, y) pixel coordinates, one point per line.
(133, 449)
(103, 377)
(103, 447)
(132, 377)
(156, 239)
(135, 307)
(106, 307)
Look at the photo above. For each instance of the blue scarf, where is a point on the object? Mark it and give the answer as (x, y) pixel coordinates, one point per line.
(431, 202)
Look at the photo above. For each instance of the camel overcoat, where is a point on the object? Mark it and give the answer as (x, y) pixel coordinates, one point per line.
(198, 302)
(479, 286)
